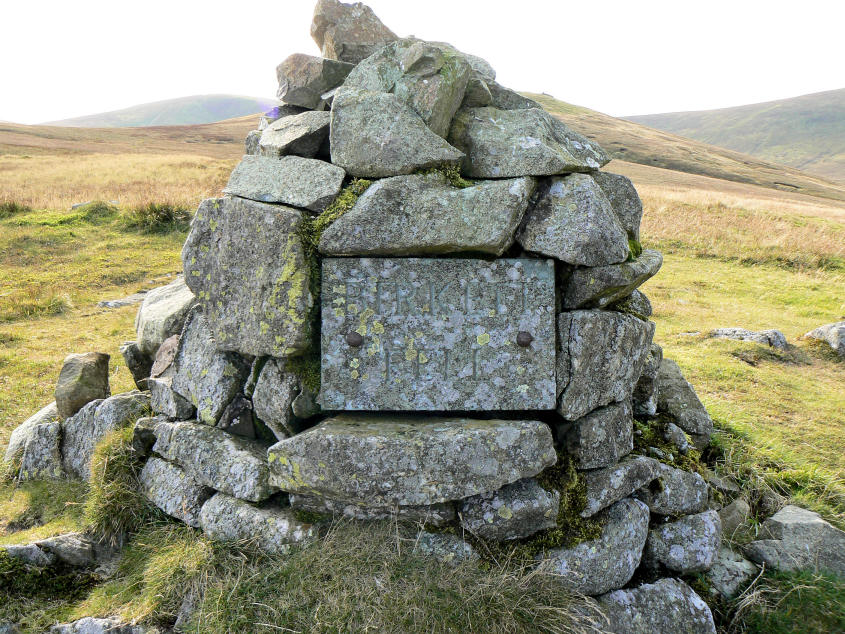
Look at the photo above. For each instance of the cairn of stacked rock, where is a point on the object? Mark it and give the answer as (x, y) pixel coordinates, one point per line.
(417, 295)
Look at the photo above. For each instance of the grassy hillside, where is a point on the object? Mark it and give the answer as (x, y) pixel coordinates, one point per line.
(806, 132)
(192, 110)
(637, 143)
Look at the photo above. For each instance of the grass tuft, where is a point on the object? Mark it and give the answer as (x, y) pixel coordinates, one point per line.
(158, 218)
(115, 506)
(10, 208)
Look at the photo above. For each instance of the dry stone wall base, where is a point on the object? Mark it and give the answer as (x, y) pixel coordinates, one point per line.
(23, 432)
(173, 491)
(675, 492)
(41, 456)
(611, 484)
(515, 511)
(730, 573)
(409, 461)
(430, 515)
(686, 545)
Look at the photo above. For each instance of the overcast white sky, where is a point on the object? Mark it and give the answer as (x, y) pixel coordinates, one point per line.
(61, 59)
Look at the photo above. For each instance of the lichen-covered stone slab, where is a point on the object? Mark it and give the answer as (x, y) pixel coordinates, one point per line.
(601, 438)
(203, 376)
(271, 528)
(572, 221)
(431, 514)
(798, 539)
(437, 334)
(246, 262)
(445, 548)
(611, 484)
(375, 134)
(624, 200)
(300, 134)
(677, 399)
(163, 400)
(637, 304)
(173, 491)
(515, 511)
(600, 357)
(600, 286)
(686, 545)
(525, 142)
(646, 389)
(162, 315)
(422, 215)
(675, 492)
(607, 563)
(409, 461)
(668, 605)
(227, 463)
(304, 79)
(273, 397)
(84, 378)
(730, 573)
(348, 32)
(429, 77)
(82, 432)
(291, 180)
(772, 338)
(22, 432)
(41, 456)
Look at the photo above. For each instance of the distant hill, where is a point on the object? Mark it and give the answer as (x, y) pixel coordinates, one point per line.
(193, 110)
(806, 132)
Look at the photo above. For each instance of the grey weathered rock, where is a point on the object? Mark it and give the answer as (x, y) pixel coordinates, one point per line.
(515, 511)
(624, 200)
(138, 364)
(273, 529)
(237, 418)
(408, 461)
(162, 315)
(675, 492)
(84, 378)
(645, 391)
(446, 337)
(421, 215)
(677, 399)
(274, 394)
(686, 545)
(734, 515)
(637, 304)
(73, 549)
(600, 358)
(433, 514)
(25, 430)
(798, 539)
(143, 434)
(601, 286)
(30, 554)
(608, 562)
(274, 114)
(507, 99)
(832, 334)
(572, 221)
(668, 605)
(173, 491)
(300, 134)
(601, 438)
(82, 431)
(257, 300)
(93, 625)
(292, 180)
(611, 484)
(253, 138)
(771, 338)
(165, 356)
(375, 134)
(348, 32)
(163, 400)
(305, 404)
(677, 436)
(303, 79)
(477, 94)
(445, 548)
(528, 142)
(231, 464)
(730, 573)
(41, 457)
(429, 77)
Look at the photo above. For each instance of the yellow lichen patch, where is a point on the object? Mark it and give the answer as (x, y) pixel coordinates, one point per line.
(483, 339)
(378, 327)
(505, 512)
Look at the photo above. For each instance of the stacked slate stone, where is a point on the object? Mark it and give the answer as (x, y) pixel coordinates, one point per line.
(389, 155)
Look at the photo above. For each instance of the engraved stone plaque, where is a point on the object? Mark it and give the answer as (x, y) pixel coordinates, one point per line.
(437, 334)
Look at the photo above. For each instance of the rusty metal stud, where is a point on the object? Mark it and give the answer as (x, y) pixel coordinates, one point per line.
(354, 339)
(524, 338)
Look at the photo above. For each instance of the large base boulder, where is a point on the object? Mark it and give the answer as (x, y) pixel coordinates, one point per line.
(173, 491)
(23, 432)
(430, 515)
(686, 545)
(409, 461)
(515, 511)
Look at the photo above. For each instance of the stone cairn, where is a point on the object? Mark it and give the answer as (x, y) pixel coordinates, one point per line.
(416, 299)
